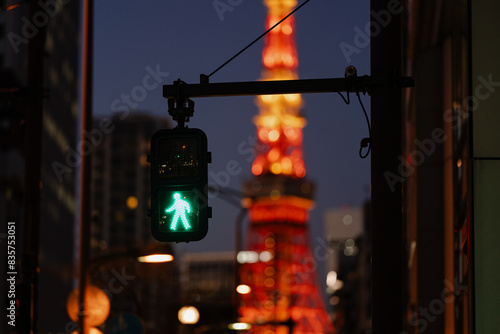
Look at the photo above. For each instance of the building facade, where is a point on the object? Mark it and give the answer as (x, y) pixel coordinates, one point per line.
(208, 282)
(120, 226)
(40, 68)
(121, 181)
(347, 262)
(452, 171)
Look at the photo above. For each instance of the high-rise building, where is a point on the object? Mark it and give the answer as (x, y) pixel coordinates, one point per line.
(121, 181)
(141, 293)
(121, 227)
(43, 42)
(347, 258)
(207, 282)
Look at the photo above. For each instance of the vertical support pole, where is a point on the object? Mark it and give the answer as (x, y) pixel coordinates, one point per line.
(387, 224)
(238, 245)
(32, 177)
(86, 167)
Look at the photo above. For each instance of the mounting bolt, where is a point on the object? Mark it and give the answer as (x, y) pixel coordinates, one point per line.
(350, 72)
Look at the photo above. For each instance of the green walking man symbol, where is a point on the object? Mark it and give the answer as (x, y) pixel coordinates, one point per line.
(180, 207)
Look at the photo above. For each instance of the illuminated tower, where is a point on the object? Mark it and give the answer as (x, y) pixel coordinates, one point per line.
(282, 270)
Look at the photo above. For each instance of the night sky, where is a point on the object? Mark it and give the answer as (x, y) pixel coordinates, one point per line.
(186, 38)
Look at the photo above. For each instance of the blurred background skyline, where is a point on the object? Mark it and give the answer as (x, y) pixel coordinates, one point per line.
(433, 238)
(136, 50)
(189, 38)
(175, 39)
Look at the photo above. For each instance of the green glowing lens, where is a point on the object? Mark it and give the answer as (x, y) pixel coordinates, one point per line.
(178, 211)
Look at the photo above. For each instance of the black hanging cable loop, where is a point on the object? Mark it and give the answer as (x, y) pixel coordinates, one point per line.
(205, 77)
(348, 100)
(365, 142)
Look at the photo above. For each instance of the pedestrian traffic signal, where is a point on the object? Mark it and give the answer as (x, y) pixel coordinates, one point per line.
(179, 177)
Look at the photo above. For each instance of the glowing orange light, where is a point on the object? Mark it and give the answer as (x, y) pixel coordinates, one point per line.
(291, 134)
(269, 271)
(286, 163)
(257, 169)
(293, 99)
(288, 60)
(268, 304)
(269, 282)
(299, 170)
(283, 212)
(7, 8)
(132, 202)
(287, 29)
(274, 135)
(272, 20)
(97, 305)
(268, 99)
(279, 152)
(263, 134)
(295, 154)
(274, 154)
(280, 49)
(276, 168)
(269, 242)
(268, 60)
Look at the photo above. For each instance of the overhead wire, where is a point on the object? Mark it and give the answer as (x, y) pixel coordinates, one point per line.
(365, 142)
(258, 38)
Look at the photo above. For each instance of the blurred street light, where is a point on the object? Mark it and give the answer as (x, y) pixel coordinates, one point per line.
(239, 326)
(132, 202)
(155, 258)
(98, 306)
(188, 315)
(155, 253)
(243, 289)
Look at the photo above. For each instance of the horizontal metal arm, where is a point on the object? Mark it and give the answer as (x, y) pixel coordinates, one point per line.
(180, 90)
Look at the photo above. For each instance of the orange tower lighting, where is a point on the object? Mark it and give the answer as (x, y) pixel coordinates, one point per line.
(283, 281)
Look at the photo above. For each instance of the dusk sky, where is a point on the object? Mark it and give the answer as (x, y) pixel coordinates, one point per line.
(190, 37)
